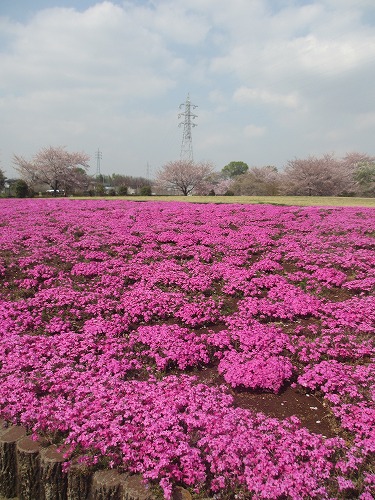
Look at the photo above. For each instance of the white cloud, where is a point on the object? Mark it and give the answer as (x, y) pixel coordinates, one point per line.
(112, 76)
(175, 23)
(365, 120)
(333, 56)
(254, 131)
(246, 95)
(101, 47)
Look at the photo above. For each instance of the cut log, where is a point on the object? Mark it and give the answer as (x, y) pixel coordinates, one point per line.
(135, 489)
(180, 493)
(79, 482)
(8, 465)
(53, 480)
(28, 467)
(3, 426)
(107, 485)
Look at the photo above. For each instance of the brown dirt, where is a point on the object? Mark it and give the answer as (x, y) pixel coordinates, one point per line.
(311, 411)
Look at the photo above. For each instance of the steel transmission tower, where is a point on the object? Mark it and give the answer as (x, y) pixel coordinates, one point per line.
(98, 156)
(187, 142)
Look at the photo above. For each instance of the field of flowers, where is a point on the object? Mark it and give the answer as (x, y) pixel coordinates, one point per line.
(112, 313)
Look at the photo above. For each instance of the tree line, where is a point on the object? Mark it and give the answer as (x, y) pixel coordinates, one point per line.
(351, 175)
(56, 171)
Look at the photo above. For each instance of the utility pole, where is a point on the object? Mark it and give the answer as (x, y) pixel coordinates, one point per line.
(187, 142)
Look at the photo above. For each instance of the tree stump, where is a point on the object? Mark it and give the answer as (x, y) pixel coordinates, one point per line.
(135, 489)
(52, 479)
(28, 466)
(8, 465)
(79, 482)
(107, 485)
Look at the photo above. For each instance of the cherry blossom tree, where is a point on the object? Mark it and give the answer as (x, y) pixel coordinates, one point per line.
(55, 167)
(258, 181)
(324, 176)
(215, 184)
(315, 176)
(183, 176)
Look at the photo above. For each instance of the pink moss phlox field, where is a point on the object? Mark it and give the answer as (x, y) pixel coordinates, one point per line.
(111, 310)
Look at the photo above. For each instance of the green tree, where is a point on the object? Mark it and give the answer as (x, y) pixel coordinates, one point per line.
(21, 189)
(365, 177)
(99, 190)
(123, 190)
(145, 191)
(235, 168)
(2, 180)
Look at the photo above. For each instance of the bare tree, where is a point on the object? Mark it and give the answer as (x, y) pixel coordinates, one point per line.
(55, 167)
(183, 176)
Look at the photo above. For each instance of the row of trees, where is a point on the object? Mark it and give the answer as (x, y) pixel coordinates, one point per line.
(13, 187)
(64, 172)
(125, 184)
(352, 175)
(58, 171)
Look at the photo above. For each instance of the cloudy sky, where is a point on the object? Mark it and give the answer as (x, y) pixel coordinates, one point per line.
(272, 79)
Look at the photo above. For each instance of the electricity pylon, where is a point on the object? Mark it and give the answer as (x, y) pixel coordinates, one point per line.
(187, 142)
(98, 156)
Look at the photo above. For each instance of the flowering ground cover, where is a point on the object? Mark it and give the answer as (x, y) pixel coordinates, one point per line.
(147, 335)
